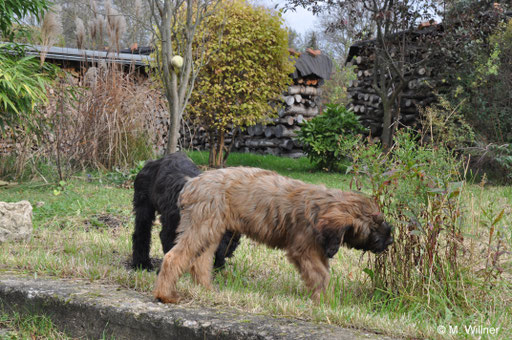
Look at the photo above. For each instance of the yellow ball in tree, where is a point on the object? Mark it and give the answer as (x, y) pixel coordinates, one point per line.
(177, 61)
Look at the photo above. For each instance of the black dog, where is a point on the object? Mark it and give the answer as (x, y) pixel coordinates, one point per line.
(157, 188)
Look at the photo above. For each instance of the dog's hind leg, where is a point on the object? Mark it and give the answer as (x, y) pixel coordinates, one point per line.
(170, 223)
(192, 243)
(141, 238)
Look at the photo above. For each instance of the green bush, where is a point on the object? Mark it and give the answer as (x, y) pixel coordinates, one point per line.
(419, 189)
(323, 136)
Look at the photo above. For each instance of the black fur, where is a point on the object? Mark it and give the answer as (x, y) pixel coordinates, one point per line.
(377, 241)
(157, 188)
(331, 241)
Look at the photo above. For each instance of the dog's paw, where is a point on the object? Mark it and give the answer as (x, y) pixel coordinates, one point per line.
(174, 298)
(143, 266)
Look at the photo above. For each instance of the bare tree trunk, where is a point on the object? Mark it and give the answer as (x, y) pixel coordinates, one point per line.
(228, 151)
(168, 74)
(173, 134)
(387, 136)
(387, 89)
(213, 150)
(216, 157)
(220, 150)
(176, 31)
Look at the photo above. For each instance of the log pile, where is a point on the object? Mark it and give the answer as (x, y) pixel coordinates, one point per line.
(157, 121)
(7, 146)
(277, 136)
(300, 102)
(421, 79)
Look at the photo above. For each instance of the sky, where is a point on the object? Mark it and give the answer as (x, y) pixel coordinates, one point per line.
(301, 20)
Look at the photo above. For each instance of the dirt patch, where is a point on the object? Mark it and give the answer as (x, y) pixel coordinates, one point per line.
(105, 221)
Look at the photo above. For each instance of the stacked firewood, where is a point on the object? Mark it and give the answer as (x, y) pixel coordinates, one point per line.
(157, 121)
(300, 102)
(365, 101)
(278, 137)
(194, 137)
(7, 146)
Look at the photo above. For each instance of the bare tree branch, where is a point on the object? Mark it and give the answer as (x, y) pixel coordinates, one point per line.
(178, 22)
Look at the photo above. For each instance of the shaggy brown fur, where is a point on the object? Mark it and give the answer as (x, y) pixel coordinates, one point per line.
(310, 222)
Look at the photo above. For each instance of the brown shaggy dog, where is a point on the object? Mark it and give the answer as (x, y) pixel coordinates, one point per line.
(310, 222)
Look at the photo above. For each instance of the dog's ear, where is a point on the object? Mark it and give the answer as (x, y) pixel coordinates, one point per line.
(332, 239)
(331, 229)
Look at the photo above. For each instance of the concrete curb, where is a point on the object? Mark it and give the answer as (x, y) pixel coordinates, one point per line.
(91, 310)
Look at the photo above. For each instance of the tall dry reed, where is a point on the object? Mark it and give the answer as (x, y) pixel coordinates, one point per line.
(107, 124)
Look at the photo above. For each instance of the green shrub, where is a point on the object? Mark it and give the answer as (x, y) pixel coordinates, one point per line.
(323, 136)
(444, 124)
(418, 188)
(226, 96)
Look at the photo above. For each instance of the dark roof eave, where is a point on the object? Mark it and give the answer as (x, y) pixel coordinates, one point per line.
(90, 59)
(74, 54)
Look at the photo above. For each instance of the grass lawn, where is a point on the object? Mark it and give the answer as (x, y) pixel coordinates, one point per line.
(16, 327)
(84, 230)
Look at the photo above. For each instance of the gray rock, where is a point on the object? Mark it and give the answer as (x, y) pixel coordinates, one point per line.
(15, 221)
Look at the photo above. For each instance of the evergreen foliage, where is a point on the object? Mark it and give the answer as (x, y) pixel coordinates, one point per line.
(322, 136)
(246, 70)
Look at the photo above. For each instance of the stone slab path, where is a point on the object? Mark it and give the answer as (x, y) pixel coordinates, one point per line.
(93, 311)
